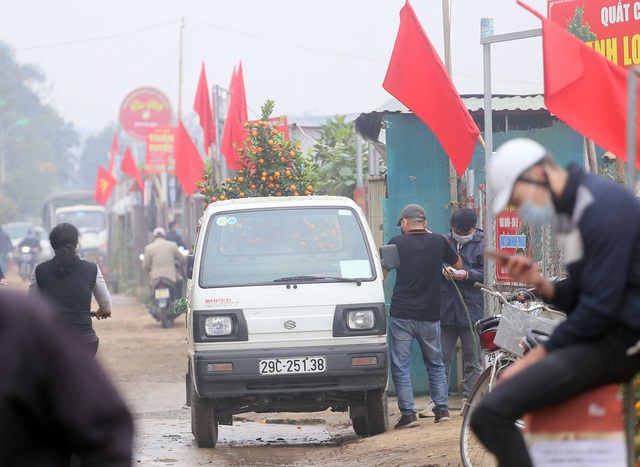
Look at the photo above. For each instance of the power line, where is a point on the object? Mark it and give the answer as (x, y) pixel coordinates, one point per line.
(293, 44)
(95, 39)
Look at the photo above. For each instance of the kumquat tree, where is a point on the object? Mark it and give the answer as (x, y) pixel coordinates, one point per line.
(270, 165)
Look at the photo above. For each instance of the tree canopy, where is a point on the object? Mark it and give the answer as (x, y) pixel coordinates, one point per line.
(36, 143)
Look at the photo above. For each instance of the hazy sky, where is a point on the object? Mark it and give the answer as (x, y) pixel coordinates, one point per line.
(313, 57)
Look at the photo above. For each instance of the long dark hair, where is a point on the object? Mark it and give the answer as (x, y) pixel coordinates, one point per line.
(64, 240)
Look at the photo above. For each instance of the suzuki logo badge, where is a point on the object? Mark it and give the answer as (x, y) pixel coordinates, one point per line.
(289, 325)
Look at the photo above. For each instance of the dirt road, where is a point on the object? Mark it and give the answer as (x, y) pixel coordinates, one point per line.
(148, 363)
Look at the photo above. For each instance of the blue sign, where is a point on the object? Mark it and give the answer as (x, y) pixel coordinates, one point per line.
(513, 241)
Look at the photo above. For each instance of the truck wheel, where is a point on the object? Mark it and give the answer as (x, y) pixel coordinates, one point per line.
(361, 425)
(204, 426)
(377, 411)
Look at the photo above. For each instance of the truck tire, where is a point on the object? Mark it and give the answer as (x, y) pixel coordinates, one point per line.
(361, 425)
(377, 419)
(204, 426)
(378, 411)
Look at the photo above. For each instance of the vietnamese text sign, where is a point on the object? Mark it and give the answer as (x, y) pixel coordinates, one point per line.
(509, 238)
(160, 147)
(611, 27)
(144, 109)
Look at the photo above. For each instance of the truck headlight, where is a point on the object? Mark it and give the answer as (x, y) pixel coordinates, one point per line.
(218, 325)
(360, 320)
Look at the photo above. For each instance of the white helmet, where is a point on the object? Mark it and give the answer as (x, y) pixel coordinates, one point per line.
(509, 162)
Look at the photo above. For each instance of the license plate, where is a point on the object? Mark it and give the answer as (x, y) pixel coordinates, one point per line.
(162, 293)
(490, 358)
(279, 366)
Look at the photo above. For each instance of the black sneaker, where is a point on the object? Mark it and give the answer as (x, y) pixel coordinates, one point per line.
(442, 416)
(407, 421)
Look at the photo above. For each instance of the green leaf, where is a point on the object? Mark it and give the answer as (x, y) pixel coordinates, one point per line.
(345, 172)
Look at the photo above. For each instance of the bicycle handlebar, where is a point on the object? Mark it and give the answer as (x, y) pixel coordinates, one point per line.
(94, 314)
(522, 296)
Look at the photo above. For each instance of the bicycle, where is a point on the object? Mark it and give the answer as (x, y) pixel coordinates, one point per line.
(498, 357)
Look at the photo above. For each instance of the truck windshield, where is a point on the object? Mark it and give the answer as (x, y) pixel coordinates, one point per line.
(85, 221)
(263, 246)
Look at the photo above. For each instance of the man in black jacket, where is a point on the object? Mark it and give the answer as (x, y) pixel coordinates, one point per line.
(598, 226)
(173, 235)
(55, 400)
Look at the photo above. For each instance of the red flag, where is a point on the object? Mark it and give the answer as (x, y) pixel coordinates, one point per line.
(189, 165)
(202, 106)
(241, 97)
(114, 151)
(417, 77)
(105, 183)
(234, 130)
(584, 89)
(130, 168)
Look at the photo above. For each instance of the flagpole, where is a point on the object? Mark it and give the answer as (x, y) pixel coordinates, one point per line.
(222, 166)
(632, 118)
(180, 69)
(165, 178)
(446, 23)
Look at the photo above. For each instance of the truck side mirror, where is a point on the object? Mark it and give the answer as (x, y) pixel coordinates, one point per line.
(389, 257)
(189, 266)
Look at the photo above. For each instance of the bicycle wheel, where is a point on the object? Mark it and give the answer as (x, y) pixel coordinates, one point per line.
(472, 451)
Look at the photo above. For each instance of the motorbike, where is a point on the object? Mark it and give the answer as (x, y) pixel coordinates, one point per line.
(26, 261)
(164, 293)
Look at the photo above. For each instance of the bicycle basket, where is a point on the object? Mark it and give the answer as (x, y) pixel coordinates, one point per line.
(515, 321)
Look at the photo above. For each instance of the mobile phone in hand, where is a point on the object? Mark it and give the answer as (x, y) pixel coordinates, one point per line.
(499, 256)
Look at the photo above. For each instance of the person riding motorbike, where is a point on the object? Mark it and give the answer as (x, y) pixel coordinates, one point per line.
(33, 243)
(162, 258)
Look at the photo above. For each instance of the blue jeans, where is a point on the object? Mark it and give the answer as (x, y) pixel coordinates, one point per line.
(427, 333)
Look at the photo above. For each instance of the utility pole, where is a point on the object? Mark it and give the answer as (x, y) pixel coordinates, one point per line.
(180, 69)
(220, 163)
(446, 27)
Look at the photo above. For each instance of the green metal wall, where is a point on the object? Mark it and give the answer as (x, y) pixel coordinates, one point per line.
(418, 172)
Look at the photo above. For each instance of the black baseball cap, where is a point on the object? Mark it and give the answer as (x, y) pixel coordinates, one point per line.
(412, 210)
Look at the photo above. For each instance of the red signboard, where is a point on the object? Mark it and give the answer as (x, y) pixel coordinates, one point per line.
(611, 27)
(360, 198)
(144, 109)
(509, 239)
(160, 144)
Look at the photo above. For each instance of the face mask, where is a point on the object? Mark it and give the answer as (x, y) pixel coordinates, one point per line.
(537, 215)
(462, 239)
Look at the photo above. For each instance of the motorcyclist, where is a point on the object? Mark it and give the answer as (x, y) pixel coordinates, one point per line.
(30, 240)
(162, 258)
(173, 234)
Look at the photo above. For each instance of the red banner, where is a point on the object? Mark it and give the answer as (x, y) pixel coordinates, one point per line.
(144, 109)
(610, 27)
(160, 149)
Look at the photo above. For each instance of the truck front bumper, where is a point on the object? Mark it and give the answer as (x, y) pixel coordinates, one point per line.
(348, 368)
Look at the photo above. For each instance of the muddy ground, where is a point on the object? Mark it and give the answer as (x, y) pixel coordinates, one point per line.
(148, 363)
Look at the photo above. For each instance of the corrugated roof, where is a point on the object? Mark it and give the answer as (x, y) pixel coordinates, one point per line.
(475, 103)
